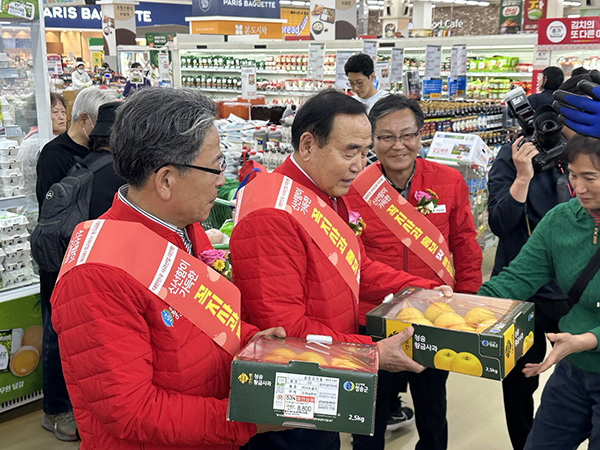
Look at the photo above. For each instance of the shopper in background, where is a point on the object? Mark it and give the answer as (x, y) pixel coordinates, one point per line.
(570, 405)
(518, 200)
(552, 78)
(286, 277)
(579, 71)
(360, 71)
(136, 80)
(55, 160)
(396, 123)
(137, 380)
(79, 78)
(30, 148)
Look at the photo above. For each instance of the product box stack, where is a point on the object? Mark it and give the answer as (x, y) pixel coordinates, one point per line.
(469, 334)
(15, 251)
(309, 383)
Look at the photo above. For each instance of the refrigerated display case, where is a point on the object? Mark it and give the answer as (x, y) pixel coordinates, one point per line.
(25, 128)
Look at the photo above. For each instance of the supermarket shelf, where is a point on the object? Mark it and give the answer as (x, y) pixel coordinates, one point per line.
(271, 93)
(20, 401)
(238, 70)
(13, 292)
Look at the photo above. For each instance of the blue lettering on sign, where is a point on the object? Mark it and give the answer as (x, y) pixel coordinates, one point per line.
(90, 17)
(236, 8)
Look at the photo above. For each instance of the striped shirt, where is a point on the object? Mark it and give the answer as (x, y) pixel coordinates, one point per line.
(122, 195)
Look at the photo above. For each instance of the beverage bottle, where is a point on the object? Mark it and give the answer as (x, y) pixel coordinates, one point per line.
(259, 139)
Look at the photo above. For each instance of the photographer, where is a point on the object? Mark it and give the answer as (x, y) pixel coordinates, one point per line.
(519, 198)
(581, 113)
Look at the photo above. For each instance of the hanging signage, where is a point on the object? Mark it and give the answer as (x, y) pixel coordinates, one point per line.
(533, 11)
(249, 82)
(510, 16)
(457, 88)
(382, 69)
(158, 39)
(163, 67)
(54, 64)
(433, 61)
(370, 48)
(64, 2)
(297, 22)
(432, 88)
(397, 65)
(90, 17)
(583, 30)
(21, 9)
(458, 60)
(341, 57)
(316, 61)
(236, 8)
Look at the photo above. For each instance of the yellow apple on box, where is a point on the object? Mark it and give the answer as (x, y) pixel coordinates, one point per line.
(467, 363)
(342, 362)
(280, 355)
(443, 359)
(462, 327)
(420, 321)
(476, 316)
(312, 357)
(408, 313)
(435, 309)
(446, 320)
(528, 341)
(485, 324)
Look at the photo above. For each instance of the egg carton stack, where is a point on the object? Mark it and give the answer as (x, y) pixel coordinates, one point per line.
(11, 174)
(15, 251)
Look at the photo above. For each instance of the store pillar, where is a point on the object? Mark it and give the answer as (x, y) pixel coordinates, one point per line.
(118, 26)
(422, 15)
(555, 9)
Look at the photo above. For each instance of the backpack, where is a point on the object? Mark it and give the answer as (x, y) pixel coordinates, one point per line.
(66, 204)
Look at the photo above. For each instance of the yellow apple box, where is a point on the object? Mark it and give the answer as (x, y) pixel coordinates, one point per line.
(469, 334)
(313, 383)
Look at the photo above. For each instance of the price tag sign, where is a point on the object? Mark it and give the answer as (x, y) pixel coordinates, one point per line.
(249, 82)
(341, 57)
(458, 61)
(397, 65)
(383, 74)
(316, 61)
(163, 66)
(432, 88)
(370, 48)
(433, 61)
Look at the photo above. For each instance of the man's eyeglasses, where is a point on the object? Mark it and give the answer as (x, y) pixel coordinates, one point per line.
(358, 83)
(222, 167)
(390, 139)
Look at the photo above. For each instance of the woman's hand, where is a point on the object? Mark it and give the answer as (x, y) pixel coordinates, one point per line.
(564, 344)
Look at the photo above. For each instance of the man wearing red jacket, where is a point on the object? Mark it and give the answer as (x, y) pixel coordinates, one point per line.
(140, 374)
(396, 122)
(283, 272)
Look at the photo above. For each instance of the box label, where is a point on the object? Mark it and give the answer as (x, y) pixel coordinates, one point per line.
(393, 327)
(301, 396)
(509, 349)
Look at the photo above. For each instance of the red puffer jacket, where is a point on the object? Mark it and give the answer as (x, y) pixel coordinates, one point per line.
(455, 223)
(134, 382)
(287, 280)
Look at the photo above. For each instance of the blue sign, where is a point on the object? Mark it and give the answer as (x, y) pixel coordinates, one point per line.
(268, 9)
(457, 87)
(432, 88)
(90, 17)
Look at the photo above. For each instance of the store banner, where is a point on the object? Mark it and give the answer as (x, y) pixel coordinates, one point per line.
(332, 19)
(90, 17)
(397, 65)
(433, 61)
(511, 12)
(20, 9)
(341, 57)
(370, 48)
(432, 88)
(297, 22)
(382, 69)
(457, 88)
(533, 11)
(316, 61)
(266, 9)
(20, 348)
(582, 30)
(249, 82)
(158, 39)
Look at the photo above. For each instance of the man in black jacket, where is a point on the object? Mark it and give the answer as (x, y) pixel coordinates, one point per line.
(55, 161)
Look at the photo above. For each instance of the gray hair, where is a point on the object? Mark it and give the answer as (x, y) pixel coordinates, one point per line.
(88, 101)
(159, 126)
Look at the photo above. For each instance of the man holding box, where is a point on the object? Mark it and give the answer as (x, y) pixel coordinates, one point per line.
(294, 257)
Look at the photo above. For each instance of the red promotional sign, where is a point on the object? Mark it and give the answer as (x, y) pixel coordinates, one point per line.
(533, 12)
(582, 30)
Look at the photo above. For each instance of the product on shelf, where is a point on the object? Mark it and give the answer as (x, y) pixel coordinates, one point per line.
(15, 256)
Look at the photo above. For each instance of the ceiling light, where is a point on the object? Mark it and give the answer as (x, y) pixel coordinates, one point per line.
(484, 3)
(569, 3)
(573, 16)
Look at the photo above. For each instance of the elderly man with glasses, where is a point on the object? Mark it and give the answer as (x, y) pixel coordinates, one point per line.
(396, 124)
(147, 331)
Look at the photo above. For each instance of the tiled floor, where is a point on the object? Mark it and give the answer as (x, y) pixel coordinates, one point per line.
(475, 417)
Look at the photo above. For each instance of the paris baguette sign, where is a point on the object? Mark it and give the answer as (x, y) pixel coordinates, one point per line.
(564, 31)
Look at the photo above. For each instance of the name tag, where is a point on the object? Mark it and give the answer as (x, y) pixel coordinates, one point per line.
(439, 209)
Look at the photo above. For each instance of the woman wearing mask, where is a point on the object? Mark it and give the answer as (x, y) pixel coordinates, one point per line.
(79, 78)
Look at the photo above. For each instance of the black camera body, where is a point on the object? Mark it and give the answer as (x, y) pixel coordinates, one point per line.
(541, 127)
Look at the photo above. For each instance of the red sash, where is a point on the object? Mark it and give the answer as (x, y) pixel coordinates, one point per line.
(331, 234)
(407, 224)
(195, 290)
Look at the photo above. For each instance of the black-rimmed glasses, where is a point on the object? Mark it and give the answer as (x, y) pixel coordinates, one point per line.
(390, 139)
(222, 167)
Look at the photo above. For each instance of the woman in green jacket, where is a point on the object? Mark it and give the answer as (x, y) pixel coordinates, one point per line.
(560, 247)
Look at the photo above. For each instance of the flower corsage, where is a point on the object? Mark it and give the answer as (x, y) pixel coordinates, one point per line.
(426, 201)
(356, 223)
(217, 260)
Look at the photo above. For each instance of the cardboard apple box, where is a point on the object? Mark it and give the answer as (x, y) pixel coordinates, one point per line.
(309, 383)
(470, 334)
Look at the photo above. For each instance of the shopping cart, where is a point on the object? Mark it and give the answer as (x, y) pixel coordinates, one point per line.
(221, 211)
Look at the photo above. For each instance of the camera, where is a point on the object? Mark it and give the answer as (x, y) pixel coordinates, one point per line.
(542, 127)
